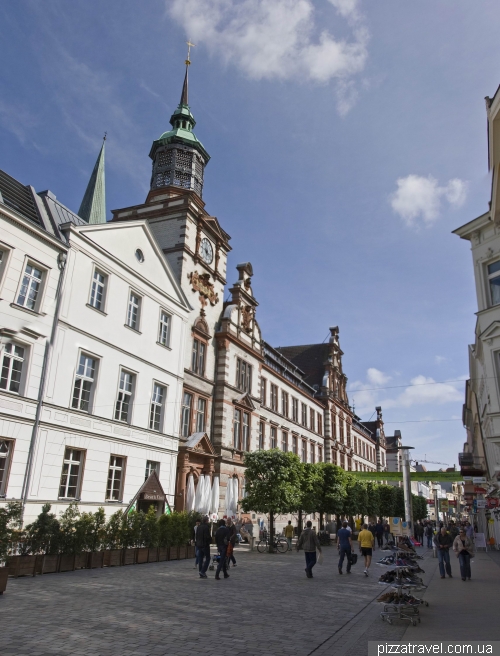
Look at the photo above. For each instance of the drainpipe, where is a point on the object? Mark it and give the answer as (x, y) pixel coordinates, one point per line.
(49, 345)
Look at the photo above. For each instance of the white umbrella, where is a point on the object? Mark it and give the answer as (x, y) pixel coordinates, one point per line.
(207, 493)
(190, 494)
(198, 499)
(235, 496)
(214, 500)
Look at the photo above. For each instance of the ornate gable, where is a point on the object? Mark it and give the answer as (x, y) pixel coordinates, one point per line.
(200, 443)
(244, 401)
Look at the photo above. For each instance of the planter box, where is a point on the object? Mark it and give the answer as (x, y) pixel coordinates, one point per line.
(191, 551)
(162, 554)
(142, 555)
(153, 555)
(115, 557)
(173, 553)
(39, 564)
(129, 556)
(81, 561)
(96, 559)
(50, 564)
(4, 575)
(21, 566)
(182, 552)
(67, 562)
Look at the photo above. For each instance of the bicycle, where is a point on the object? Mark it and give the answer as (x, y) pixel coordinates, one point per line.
(279, 544)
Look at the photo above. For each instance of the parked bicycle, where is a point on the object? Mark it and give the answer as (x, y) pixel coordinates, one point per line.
(280, 545)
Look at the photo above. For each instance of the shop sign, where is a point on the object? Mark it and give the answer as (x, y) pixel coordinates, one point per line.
(452, 502)
(477, 480)
(480, 490)
(493, 503)
(152, 497)
(479, 503)
(430, 502)
(445, 506)
(395, 524)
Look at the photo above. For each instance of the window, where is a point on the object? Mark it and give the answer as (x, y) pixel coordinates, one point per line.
(494, 282)
(335, 459)
(124, 400)
(115, 478)
(261, 435)
(274, 398)
(349, 463)
(97, 293)
(312, 416)
(237, 428)
(284, 403)
(134, 311)
(320, 423)
(355, 444)
(284, 441)
(71, 477)
(187, 404)
(342, 460)
(6, 448)
(246, 432)
(201, 408)
(12, 367)
(294, 445)
(304, 414)
(341, 431)
(30, 287)
(348, 436)
(274, 439)
(164, 332)
(320, 453)
(156, 411)
(313, 453)
(243, 376)
(198, 357)
(304, 451)
(84, 383)
(295, 409)
(263, 391)
(151, 466)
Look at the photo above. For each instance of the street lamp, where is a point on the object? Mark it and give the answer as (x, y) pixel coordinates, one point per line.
(407, 484)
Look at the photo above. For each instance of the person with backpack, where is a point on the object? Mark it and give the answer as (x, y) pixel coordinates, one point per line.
(308, 541)
(222, 538)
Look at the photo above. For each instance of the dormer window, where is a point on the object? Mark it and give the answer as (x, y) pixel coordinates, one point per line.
(494, 282)
(184, 125)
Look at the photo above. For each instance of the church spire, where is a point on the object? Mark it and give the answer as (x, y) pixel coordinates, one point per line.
(93, 207)
(184, 94)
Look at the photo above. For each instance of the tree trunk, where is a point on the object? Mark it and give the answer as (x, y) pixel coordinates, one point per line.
(321, 527)
(271, 532)
(300, 522)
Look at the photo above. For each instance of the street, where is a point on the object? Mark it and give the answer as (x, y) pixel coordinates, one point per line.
(267, 606)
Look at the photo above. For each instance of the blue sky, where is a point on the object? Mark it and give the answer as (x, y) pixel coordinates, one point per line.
(348, 139)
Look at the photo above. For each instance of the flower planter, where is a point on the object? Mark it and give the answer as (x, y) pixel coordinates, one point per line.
(50, 564)
(129, 556)
(21, 566)
(162, 554)
(173, 553)
(81, 560)
(191, 551)
(142, 555)
(153, 555)
(182, 552)
(96, 559)
(67, 562)
(4, 576)
(115, 557)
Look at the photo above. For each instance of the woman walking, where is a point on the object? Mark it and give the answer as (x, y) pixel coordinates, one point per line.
(463, 546)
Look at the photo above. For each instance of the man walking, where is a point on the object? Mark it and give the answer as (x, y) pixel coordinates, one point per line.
(345, 547)
(443, 542)
(289, 534)
(379, 533)
(366, 542)
(202, 544)
(429, 534)
(232, 541)
(308, 541)
(222, 540)
(197, 523)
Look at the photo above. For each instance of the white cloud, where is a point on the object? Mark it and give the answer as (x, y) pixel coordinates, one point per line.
(420, 198)
(269, 40)
(439, 359)
(376, 377)
(425, 391)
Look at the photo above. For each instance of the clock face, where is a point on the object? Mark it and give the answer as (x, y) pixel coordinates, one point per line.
(206, 251)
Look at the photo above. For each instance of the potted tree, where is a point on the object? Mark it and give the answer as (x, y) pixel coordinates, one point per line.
(10, 524)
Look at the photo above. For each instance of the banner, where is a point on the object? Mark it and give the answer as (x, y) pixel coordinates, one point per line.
(395, 524)
(445, 506)
(414, 476)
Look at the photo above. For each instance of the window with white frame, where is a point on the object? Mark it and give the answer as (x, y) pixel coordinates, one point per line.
(312, 417)
(284, 441)
(151, 466)
(124, 400)
(245, 434)
(274, 438)
(12, 367)
(494, 282)
(31, 287)
(243, 376)
(236, 428)
(84, 383)
(134, 311)
(295, 410)
(157, 405)
(320, 423)
(4, 256)
(295, 449)
(320, 453)
(304, 451)
(274, 397)
(313, 452)
(98, 290)
(284, 403)
(114, 489)
(304, 414)
(263, 391)
(261, 435)
(187, 404)
(198, 357)
(164, 332)
(71, 477)
(201, 412)
(6, 449)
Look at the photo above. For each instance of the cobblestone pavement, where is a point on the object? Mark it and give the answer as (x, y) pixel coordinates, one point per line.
(267, 606)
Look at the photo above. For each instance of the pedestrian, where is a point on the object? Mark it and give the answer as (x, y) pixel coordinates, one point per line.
(222, 540)
(202, 544)
(289, 534)
(469, 530)
(379, 533)
(429, 533)
(387, 532)
(443, 542)
(197, 523)
(463, 546)
(366, 541)
(344, 545)
(453, 530)
(308, 541)
(232, 541)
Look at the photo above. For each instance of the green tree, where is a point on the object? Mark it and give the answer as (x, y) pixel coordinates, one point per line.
(399, 502)
(151, 528)
(373, 499)
(272, 484)
(356, 499)
(419, 507)
(43, 535)
(387, 498)
(10, 525)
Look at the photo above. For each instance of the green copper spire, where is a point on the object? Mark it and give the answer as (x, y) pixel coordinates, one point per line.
(93, 207)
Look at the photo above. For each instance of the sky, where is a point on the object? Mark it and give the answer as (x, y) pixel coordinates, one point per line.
(347, 140)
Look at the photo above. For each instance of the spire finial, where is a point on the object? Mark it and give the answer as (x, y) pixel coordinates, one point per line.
(189, 45)
(184, 94)
(105, 135)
